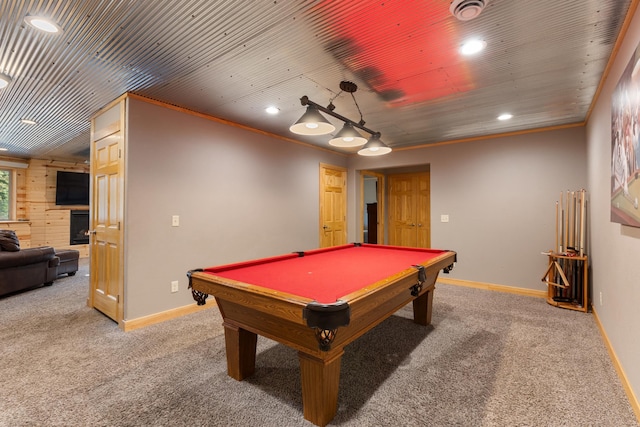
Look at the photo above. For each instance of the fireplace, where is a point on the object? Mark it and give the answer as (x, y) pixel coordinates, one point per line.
(79, 228)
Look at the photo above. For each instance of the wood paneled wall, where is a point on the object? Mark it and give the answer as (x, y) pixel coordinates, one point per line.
(22, 229)
(21, 194)
(37, 203)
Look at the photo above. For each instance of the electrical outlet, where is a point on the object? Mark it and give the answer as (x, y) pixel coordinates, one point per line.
(174, 286)
(444, 218)
(601, 298)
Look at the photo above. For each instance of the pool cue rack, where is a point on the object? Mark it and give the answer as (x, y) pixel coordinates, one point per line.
(567, 276)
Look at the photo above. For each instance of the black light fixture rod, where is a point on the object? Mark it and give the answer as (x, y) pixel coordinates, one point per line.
(306, 101)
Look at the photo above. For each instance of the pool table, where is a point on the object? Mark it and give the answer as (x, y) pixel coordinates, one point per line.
(317, 302)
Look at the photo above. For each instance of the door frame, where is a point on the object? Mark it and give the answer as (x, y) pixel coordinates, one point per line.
(381, 205)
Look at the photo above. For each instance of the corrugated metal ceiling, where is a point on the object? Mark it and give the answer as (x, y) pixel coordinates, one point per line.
(543, 63)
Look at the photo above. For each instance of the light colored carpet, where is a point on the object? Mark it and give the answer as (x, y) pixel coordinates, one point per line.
(488, 359)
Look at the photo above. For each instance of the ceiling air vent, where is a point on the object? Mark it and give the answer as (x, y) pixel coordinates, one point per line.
(466, 10)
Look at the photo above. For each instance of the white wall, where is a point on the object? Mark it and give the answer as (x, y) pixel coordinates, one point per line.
(615, 248)
(500, 196)
(239, 194)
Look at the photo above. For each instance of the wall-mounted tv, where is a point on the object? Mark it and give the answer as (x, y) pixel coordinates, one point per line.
(72, 188)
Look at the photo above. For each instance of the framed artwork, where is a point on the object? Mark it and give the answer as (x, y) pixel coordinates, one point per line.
(625, 145)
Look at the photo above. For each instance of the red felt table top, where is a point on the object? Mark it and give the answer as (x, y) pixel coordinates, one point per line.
(325, 275)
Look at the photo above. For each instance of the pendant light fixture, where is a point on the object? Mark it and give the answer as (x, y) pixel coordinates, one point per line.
(313, 122)
(348, 137)
(374, 147)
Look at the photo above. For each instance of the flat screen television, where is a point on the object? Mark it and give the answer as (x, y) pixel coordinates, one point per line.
(72, 188)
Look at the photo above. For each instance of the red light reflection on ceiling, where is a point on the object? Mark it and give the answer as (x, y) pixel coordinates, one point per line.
(405, 54)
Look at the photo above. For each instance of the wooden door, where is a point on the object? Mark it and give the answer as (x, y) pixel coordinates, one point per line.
(409, 210)
(107, 276)
(333, 206)
(423, 210)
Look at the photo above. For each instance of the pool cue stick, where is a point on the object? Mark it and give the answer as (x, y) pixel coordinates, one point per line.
(577, 228)
(578, 291)
(572, 278)
(558, 291)
(566, 223)
(582, 219)
(574, 229)
(571, 219)
(580, 264)
(561, 225)
(565, 240)
(568, 268)
(575, 280)
(555, 248)
(551, 275)
(578, 219)
(576, 244)
(569, 222)
(579, 249)
(578, 281)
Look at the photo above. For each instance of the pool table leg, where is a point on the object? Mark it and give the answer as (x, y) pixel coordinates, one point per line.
(241, 351)
(320, 381)
(422, 307)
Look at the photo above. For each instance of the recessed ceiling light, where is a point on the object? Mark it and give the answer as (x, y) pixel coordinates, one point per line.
(3, 149)
(28, 122)
(272, 110)
(4, 81)
(472, 47)
(505, 116)
(43, 24)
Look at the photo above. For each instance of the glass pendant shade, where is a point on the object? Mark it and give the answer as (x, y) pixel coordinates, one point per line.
(312, 123)
(374, 147)
(348, 137)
